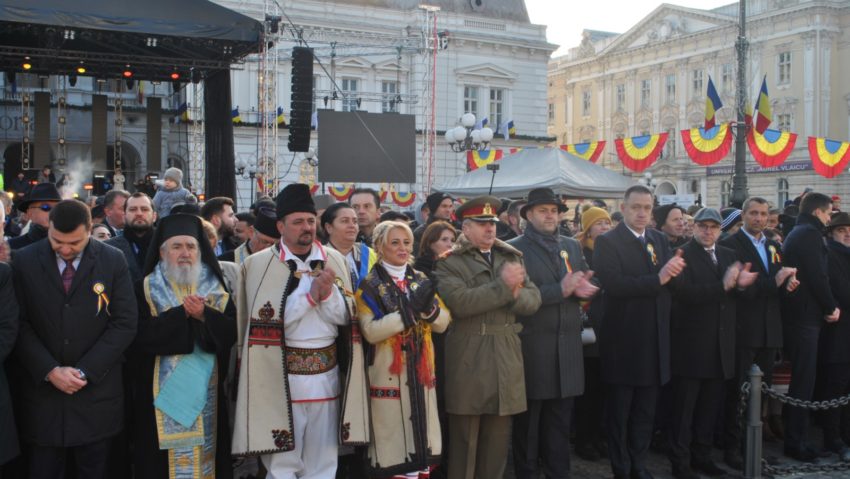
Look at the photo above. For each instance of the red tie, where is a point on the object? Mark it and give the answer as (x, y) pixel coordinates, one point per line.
(68, 275)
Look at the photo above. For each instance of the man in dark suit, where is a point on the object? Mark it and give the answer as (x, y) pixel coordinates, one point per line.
(702, 343)
(805, 313)
(759, 323)
(78, 315)
(551, 339)
(138, 232)
(634, 264)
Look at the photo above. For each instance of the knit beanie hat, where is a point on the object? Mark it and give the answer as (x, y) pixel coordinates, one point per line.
(174, 174)
(592, 215)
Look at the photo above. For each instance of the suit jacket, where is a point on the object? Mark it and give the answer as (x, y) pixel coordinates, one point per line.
(835, 337)
(8, 335)
(634, 339)
(805, 249)
(758, 312)
(134, 262)
(703, 318)
(59, 329)
(551, 338)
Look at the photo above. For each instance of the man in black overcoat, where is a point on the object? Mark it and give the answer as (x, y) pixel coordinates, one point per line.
(759, 322)
(8, 334)
(78, 315)
(551, 339)
(805, 313)
(702, 343)
(634, 265)
(139, 218)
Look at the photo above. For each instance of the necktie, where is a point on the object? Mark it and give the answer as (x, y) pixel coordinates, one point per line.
(487, 257)
(710, 252)
(642, 240)
(68, 275)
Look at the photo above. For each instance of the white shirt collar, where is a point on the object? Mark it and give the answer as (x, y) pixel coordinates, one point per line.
(753, 238)
(637, 235)
(316, 253)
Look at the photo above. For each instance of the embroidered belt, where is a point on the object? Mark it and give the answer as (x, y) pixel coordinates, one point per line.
(310, 361)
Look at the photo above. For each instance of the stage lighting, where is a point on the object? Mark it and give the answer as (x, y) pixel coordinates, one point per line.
(27, 65)
(127, 73)
(175, 76)
(81, 69)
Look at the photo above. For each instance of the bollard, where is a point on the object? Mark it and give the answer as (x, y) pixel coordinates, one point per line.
(753, 451)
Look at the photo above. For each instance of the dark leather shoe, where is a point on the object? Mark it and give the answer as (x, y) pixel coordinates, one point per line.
(733, 459)
(803, 454)
(707, 467)
(684, 472)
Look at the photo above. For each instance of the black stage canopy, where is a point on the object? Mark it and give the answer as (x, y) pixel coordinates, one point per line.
(154, 37)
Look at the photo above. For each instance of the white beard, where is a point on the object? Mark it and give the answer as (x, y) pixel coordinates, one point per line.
(183, 275)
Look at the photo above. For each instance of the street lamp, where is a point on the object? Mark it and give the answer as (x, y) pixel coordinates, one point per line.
(466, 137)
(243, 167)
(649, 181)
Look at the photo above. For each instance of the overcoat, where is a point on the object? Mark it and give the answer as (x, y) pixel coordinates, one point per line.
(552, 351)
(759, 319)
(8, 335)
(634, 337)
(805, 249)
(703, 319)
(484, 371)
(835, 337)
(76, 330)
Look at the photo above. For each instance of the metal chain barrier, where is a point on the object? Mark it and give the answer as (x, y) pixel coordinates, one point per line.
(788, 469)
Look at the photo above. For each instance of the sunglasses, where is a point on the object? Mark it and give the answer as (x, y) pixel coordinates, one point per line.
(45, 207)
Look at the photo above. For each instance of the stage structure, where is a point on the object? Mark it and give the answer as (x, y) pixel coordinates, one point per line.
(157, 41)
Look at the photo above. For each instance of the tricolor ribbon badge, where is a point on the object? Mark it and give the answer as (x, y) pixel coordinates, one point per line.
(651, 250)
(774, 255)
(102, 300)
(567, 261)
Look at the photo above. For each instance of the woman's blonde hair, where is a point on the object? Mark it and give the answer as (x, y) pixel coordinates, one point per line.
(209, 230)
(380, 233)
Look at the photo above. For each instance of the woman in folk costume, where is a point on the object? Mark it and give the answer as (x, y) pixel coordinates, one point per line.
(398, 309)
(177, 363)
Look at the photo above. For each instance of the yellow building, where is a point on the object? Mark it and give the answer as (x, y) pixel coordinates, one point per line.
(653, 78)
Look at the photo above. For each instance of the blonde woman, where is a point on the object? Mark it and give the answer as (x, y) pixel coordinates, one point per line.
(398, 310)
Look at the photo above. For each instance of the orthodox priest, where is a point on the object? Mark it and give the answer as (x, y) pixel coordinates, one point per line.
(187, 326)
(292, 300)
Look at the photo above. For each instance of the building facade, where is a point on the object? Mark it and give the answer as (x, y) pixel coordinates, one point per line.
(653, 79)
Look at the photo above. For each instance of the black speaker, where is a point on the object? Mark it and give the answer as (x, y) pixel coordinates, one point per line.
(301, 102)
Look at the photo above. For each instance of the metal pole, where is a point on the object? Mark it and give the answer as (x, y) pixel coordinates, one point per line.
(494, 168)
(752, 458)
(739, 180)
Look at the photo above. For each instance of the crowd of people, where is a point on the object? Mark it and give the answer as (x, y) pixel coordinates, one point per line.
(155, 337)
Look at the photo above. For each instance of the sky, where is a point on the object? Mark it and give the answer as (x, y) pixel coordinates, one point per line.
(565, 19)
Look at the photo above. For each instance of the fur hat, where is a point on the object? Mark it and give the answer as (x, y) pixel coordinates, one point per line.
(294, 198)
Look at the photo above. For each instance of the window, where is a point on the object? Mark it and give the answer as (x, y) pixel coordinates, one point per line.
(696, 78)
(725, 190)
(349, 97)
(551, 112)
(389, 92)
(783, 121)
(585, 103)
(470, 100)
(781, 192)
(621, 97)
(784, 74)
(670, 88)
(645, 92)
(727, 77)
(497, 101)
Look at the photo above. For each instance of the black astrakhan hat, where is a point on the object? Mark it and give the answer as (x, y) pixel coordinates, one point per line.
(294, 198)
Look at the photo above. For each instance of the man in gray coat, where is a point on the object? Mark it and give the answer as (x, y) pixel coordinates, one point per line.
(551, 339)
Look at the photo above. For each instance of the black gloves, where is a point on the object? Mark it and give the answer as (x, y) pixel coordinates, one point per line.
(422, 299)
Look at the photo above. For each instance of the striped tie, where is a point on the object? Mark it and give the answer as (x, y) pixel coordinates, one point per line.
(68, 275)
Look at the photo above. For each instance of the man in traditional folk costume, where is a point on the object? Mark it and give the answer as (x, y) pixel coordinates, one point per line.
(177, 362)
(292, 299)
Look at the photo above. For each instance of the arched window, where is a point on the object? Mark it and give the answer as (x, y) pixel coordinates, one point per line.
(725, 190)
(781, 192)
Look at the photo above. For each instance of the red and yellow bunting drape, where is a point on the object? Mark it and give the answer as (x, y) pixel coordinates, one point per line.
(706, 147)
(476, 159)
(640, 152)
(829, 157)
(771, 148)
(590, 151)
(341, 193)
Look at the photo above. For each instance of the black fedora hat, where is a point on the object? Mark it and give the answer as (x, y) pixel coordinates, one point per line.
(838, 219)
(40, 192)
(542, 196)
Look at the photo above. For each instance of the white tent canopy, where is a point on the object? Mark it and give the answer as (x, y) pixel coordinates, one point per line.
(533, 168)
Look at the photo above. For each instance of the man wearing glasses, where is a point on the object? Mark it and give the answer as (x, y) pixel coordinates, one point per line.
(36, 206)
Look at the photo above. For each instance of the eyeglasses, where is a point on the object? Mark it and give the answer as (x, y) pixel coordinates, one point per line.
(45, 207)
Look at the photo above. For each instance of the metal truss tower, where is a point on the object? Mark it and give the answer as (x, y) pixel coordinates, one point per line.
(268, 102)
(430, 46)
(197, 143)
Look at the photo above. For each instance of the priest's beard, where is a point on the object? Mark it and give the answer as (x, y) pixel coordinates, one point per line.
(183, 275)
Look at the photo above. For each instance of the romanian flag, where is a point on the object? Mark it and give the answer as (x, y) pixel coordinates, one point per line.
(477, 158)
(182, 113)
(772, 147)
(639, 152)
(403, 199)
(707, 147)
(281, 118)
(763, 114)
(343, 193)
(508, 129)
(590, 151)
(712, 104)
(480, 124)
(234, 115)
(829, 157)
